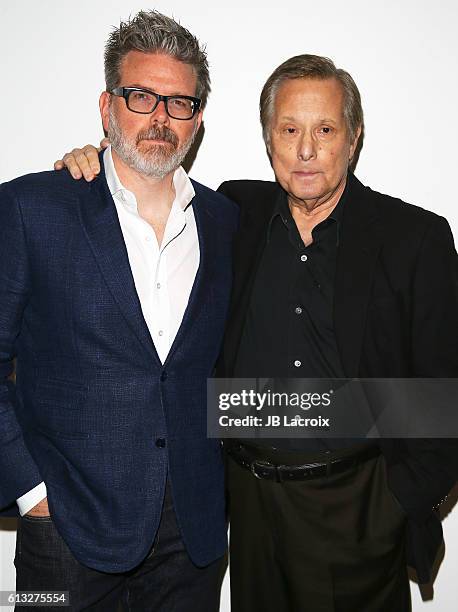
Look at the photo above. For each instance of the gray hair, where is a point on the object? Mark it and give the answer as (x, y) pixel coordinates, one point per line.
(152, 32)
(311, 67)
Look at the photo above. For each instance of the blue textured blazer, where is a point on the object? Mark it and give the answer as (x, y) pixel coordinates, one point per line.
(92, 400)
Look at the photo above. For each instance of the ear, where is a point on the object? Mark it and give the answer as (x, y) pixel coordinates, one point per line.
(199, 120)
(104, 105)
(354, 143)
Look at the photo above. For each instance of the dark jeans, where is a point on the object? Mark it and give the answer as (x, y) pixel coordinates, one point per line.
(333, 544)
(166, 581)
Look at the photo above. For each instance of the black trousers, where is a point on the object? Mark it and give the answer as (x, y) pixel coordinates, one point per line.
(166, 581)
(334, 544)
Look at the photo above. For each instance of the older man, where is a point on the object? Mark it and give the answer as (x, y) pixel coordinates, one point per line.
(113, 299)
(332, 280)
(345, 282)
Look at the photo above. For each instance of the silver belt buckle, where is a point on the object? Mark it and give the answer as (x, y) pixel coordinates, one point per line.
(253, 469)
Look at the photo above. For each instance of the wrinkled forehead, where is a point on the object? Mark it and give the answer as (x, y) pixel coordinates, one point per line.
(309, 97)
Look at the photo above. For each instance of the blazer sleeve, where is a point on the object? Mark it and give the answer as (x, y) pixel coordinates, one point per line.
(18, 470)
(435, 311)
(430, 467)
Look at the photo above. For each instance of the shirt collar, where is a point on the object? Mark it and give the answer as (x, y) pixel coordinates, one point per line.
(184, 191)
(282, 210)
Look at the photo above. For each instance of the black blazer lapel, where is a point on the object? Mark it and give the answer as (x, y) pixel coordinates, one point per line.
(257, 201)
(359, 245)
(103, 231)
(249, 244)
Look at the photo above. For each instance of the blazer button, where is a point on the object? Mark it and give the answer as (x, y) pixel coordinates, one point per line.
(160, 443)
(163, 376)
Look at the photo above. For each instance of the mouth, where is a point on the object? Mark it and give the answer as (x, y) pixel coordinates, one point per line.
(156, 141)
(306, 174)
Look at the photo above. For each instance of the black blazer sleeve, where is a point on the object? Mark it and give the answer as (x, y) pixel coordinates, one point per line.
(430, 466)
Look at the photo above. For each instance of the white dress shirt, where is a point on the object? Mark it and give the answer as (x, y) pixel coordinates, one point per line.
(163, 275)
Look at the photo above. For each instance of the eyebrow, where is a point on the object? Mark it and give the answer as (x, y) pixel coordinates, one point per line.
(324, 120)
(137, 85)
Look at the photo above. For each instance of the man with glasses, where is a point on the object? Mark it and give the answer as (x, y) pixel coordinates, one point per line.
(106, 303)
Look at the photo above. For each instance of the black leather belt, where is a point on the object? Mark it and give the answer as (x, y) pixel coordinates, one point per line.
(287, 473)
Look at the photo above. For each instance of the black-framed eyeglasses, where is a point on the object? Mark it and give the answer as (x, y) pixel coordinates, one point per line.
(145, 101)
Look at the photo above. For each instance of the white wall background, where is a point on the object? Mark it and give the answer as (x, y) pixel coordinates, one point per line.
(402, 53)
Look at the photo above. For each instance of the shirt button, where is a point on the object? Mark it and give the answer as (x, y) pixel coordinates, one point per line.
(160, 443)
(298, 363)
(158, 285)
(161, 333)
(298, 310)
(163, 376)
(303, 257)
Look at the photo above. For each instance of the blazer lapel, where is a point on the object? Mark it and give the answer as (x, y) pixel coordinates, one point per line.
(206, 232)
(249, 244)
(103, 231)
(360, 242)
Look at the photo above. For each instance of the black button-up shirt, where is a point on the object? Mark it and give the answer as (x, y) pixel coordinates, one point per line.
(289, 330)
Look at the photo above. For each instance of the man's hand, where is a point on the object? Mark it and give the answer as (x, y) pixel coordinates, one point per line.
(41, 509)
(82, 162)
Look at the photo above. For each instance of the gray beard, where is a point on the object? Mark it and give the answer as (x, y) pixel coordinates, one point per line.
(159, 160)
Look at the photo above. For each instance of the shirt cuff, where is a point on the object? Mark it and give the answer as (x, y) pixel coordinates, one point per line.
(30, 499)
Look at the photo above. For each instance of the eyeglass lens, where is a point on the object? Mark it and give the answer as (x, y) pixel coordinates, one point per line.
(144, 102)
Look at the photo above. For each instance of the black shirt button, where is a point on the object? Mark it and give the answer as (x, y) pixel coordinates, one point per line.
(163, 376)
(160, 443)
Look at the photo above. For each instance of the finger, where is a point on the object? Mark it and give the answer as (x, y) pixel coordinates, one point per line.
(92, 156)
(58, 165)
(104, 143)
(79, 155)
(71, 165)
(40, 509)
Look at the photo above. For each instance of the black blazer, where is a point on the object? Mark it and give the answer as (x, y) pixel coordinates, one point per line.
(395, 315)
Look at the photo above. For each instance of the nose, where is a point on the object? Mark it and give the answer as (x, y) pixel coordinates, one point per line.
(159, 114)
(306, 147)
